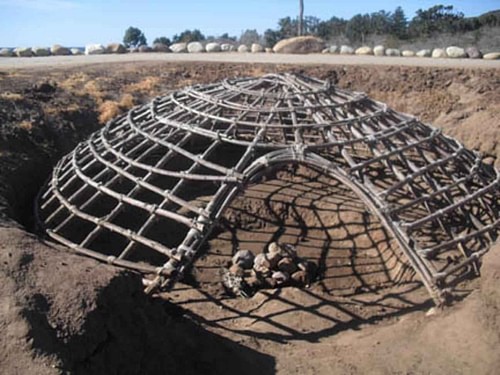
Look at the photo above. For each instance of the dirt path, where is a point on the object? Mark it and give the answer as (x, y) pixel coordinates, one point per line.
(66, 61)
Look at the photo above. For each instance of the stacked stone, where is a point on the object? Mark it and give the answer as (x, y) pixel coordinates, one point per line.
(277, 267)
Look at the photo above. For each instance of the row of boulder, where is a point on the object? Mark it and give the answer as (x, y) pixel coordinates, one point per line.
(449, 52)
(117, 48)
(296, 45)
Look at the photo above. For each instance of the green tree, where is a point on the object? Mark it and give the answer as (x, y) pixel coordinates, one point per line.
(134, 37)
(399, 23)
(250, 36)
(438, 18)
(188, 36)
(162, 40)
(332, 28)
(358, 27)
(287, 27)
(271, 37)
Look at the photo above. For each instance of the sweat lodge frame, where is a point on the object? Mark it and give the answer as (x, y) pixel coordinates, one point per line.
(177, 163)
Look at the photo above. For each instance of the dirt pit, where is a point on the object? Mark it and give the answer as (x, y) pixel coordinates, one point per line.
(366, 313)
(361, 274)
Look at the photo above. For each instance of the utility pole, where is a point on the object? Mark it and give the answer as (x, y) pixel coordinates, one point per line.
(301, 17)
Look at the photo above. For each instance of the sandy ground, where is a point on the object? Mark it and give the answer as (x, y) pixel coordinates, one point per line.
(61, 313)
(66, 61)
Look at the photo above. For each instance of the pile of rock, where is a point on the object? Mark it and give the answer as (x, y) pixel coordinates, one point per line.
(279, 266)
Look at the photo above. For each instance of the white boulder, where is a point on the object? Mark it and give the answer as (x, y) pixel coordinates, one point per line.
(424, 53)
(456, 52)
(407, 53)
(365, 50)
(179, 48)
(346, 50)
(394, 52)
(213, 47)
(6, 52)
(95, 49)
(300, 45)
(226, 47)
(76, 51)
(438, 53)
(23, 52)
(256, 48)
(58, 50)
(242, 48)
(195, 47)
(379, 50)
(492, 56)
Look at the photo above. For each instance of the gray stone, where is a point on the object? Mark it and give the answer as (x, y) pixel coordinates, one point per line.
(160, 47)
(76, 51)
(179, 48)
(334, 49)
(145, 49)
(213, 47)
(379, 50)
(116, 48)
(394, 52)
(195, 47)
(424, 53)
(346, 50)
(492, 56)
(365, 50)
(456, 52)
(95, 49)
(474, 53)
(226, 47)
(6, 52)
(58, 50)
(23, 52)
(244, 258)
(300, 45)
(407, 53)
(41, 51)
(243, 49)
(439, 53)
(256, 48)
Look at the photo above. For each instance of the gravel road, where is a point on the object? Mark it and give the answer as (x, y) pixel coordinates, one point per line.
(9, 63)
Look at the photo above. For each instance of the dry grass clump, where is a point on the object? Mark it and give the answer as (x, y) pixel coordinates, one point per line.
(147, 85)
(109, 109)
(74, 81)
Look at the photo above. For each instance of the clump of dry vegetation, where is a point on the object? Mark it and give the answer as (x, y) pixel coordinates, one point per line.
(109, 109)
(147, 85)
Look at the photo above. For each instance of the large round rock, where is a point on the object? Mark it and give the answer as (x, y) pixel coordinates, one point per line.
(58, 50)
(195, 47)
(300, 45)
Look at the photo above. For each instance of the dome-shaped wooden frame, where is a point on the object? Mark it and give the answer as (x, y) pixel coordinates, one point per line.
(146, 191)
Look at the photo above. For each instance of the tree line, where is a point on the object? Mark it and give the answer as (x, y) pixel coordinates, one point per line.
(426, 23)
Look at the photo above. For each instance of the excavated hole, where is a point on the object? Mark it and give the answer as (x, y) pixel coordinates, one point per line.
(362, 276)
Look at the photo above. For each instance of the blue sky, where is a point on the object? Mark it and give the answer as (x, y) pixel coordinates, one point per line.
(79, 22)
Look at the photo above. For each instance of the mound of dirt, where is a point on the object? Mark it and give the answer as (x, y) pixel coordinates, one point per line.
(63, 313)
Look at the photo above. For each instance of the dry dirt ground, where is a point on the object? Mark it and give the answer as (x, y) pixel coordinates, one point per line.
(60, 313)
